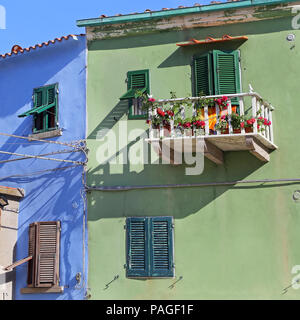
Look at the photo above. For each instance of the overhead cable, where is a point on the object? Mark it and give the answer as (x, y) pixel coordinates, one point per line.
(37, 172)
(45, 141)
(40, 155)
(42, 158)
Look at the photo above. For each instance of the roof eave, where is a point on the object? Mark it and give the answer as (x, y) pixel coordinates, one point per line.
(175, 12)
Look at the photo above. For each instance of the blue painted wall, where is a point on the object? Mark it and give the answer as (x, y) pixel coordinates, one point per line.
(52, 195)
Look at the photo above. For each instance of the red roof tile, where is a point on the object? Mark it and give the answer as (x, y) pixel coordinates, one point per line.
(16, 49)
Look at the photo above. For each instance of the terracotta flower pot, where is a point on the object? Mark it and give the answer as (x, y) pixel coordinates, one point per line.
(225, 131)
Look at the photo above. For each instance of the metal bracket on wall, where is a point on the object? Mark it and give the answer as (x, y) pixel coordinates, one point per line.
(107, 285)
(173, 285)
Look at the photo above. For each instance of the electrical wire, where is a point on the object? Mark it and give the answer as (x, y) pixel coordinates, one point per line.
(38, 157)
(40, 140)
(37, 172)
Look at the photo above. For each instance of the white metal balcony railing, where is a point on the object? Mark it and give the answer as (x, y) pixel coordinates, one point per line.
(230, 139)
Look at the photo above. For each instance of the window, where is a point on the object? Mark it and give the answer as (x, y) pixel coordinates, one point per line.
(43, 256)
(150, 247)
(45, 108)
(44, 243)
(136, 81)
(217, 73)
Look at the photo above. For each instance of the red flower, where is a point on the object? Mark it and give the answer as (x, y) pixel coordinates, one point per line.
(224, 98)
(161, 112)
(242, 124)
(199, 123)
(151, 100)
(170, 113)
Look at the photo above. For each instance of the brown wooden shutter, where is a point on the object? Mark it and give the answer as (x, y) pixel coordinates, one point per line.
(47, 254)
(31, 252)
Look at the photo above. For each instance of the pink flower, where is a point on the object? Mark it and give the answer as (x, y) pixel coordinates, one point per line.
(250, 121)
(151, 100)
(242, 124)
(223, 117)
(224, 98)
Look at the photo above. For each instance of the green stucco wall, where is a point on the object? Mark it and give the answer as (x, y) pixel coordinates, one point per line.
(237, 242)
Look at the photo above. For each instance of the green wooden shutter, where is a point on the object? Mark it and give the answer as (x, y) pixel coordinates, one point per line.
(203, 83)
(161, 247)
(138, 80)
(137, 247)
(226, 73)
(51, 95)
(38, 98)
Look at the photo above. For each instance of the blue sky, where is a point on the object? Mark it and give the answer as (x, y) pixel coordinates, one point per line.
(29, 22)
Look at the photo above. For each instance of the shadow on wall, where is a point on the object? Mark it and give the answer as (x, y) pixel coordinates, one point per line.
(120, 109)
(177, 202)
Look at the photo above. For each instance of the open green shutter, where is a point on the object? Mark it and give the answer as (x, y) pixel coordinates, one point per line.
(137, 81)
(226, 73)
(203, 75)
(44, 99)
(161, 247)
(38, 98)
(137, 248)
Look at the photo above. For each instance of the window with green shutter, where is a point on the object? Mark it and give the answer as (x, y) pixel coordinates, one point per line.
(217, 73)
(203, 75)
(137, 81)
(45, 108)
(150, 247)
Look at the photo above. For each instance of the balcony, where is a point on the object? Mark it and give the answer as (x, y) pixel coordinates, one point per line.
(234, 122)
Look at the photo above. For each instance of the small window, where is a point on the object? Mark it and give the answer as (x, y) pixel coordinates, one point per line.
(45, 109)
(43, 255)
(136, 81)
(150, 247)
